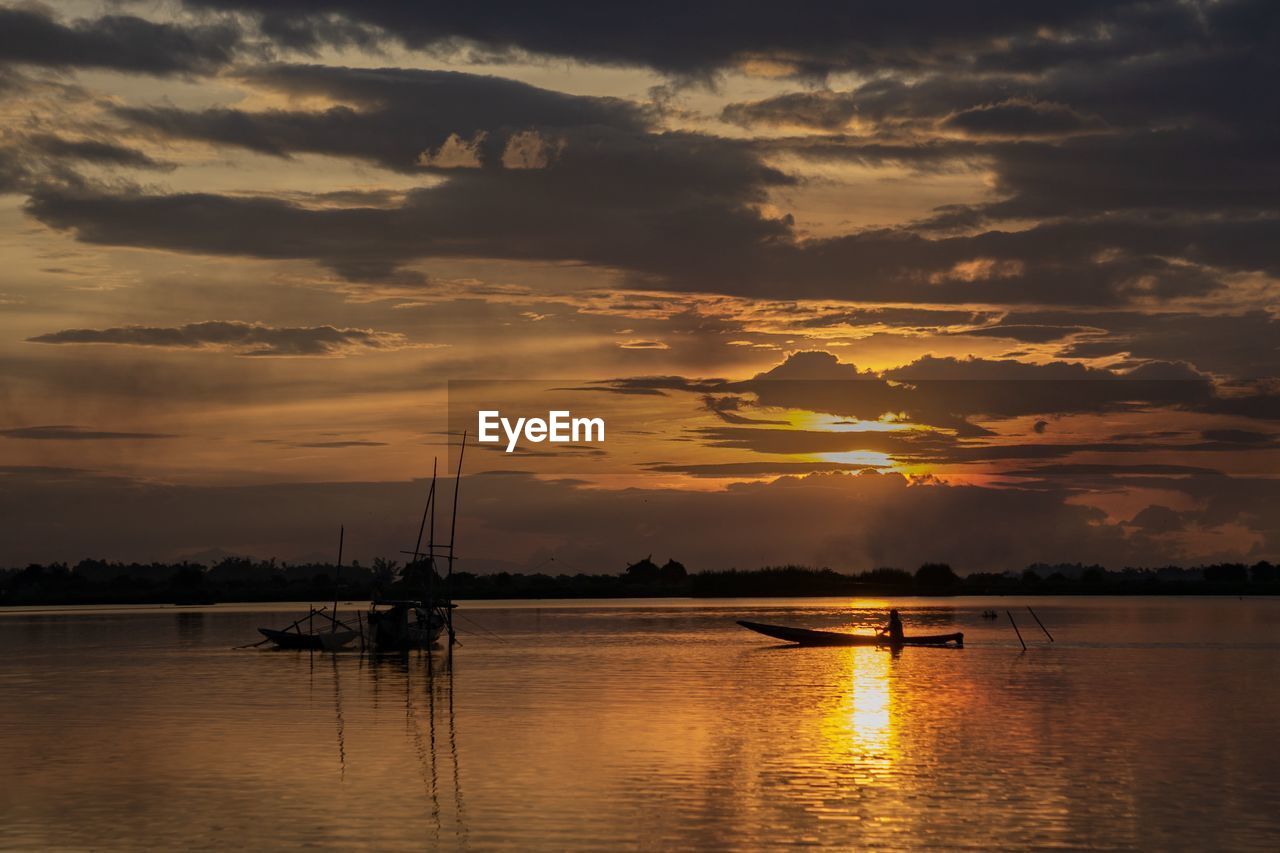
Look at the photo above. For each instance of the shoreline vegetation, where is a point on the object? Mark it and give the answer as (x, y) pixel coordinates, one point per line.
(245, 580)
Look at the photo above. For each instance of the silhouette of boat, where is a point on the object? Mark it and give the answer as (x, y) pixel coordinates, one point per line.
(337, 635)
(402, 624)
(807, 637)
(396, 624)
(320, 641)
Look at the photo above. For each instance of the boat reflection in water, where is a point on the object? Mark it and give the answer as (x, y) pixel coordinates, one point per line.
(430, 726)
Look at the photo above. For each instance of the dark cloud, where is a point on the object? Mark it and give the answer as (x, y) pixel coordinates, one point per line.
(821, 110)
(28, 160)
(943, 393)
(340, 444)
(726, 408)
(395, 117)
(1158, 519)
(689, 39)
(739, 470)
(684, 209)
(1026, 333)
(1149, 129)
(1194, 171)
(1077, 469)
(1264, 405)
(252, 339)
(1019, 118)
(947, 392)
(13, 172)
(67, 432)
(560, 178)
(1243, 345)
(118, 42)
(100, 151)
(925, 319)
(1238, 436)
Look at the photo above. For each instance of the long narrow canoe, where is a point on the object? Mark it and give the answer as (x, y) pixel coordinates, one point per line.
(806, 637)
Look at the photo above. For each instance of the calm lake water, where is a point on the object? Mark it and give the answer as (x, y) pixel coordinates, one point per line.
(1150, 723)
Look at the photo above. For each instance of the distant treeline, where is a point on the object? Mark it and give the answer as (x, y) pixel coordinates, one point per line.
(101, 582)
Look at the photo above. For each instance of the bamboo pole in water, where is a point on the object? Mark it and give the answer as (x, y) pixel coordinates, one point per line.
(1015, 630)
(1041, 624)
(305, 618)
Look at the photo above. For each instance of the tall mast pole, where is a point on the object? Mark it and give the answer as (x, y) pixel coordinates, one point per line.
(336, 575)
(453, 532)
(431, 541)
(431, 496)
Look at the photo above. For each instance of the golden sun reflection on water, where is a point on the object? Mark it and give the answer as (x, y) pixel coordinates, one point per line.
(859, 729)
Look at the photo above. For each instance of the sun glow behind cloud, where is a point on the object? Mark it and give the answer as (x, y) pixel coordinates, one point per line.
(870, 458)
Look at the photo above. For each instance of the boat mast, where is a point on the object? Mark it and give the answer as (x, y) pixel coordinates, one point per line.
(453, 533)
(431, 496)
(431, 540)
(337, 574)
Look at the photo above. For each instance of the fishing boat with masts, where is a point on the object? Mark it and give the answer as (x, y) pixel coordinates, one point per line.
(400, 624)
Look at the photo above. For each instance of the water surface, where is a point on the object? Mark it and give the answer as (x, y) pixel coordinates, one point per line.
(1150, 723)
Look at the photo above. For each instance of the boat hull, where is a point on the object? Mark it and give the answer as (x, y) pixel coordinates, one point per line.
(405, 625)
(807, 637)
(325, 641)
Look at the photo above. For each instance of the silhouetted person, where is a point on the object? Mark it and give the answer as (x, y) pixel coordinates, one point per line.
(894, 628)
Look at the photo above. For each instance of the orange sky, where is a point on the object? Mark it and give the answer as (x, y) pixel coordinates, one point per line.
(959, 268)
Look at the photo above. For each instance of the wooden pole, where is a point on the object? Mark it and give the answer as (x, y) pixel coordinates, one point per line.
(303, 619)
(1041, 624)
(431, 496)
(431, 542)
(337, 574)
(453, 533)
(1016, 631)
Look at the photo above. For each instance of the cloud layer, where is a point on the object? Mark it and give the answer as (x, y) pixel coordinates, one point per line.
(250, 339)
(923, 265)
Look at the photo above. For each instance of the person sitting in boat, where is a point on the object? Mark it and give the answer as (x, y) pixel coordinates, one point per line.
(894, 628)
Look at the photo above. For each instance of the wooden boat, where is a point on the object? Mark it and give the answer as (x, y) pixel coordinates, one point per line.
(321, 641)
(330, 639)
(807, 637)
(397, 625)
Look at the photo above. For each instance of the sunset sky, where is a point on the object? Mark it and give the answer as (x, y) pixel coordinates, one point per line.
(985, 283)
